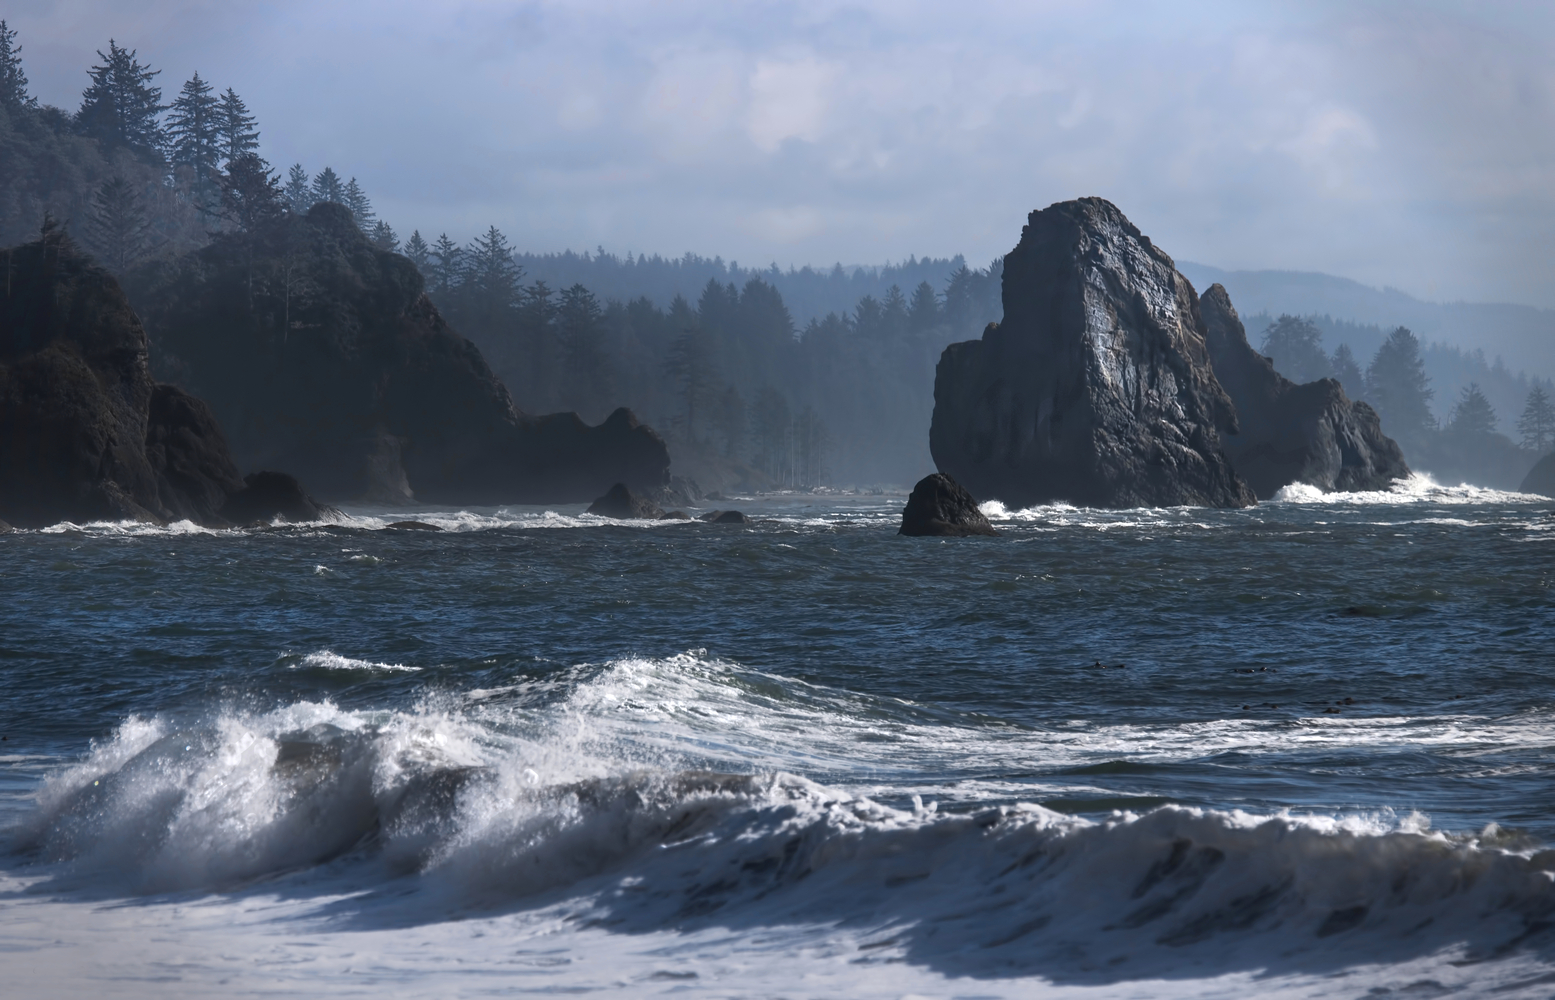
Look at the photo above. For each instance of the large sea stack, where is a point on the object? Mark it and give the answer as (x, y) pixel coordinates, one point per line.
(321, 354)
(85, 432)
(1096, 388)
(1288, 433)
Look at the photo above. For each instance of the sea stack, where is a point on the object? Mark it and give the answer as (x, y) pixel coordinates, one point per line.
(940, 507)
(1541, 478)
(1288, 433)
(1096, 388)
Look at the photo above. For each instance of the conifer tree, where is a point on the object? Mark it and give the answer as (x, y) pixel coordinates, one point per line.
(447, 268)
(1295, 346)
(923, 312)
(121, 106)
(1396, 384)
(579, 320)
(1347, 371)
(117, 229)
(235, 127)
(361, 208)
(383, 237)
(1537, 424)
(13, 82)
(299, 196)
(251, 195)
(417, 250)
(692, 366)
(491, 276)
(327, 187)
(1472, 416)
(192, 127)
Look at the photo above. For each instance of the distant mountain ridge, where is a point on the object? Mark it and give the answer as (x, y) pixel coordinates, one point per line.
(1523, 336)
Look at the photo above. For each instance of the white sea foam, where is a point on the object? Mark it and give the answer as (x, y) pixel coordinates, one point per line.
(324, 659)
(1418, 488)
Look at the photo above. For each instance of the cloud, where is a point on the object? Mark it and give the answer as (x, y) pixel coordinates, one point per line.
(1396, 143)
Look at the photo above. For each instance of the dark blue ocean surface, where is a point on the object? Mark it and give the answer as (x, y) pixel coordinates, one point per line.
(1372, 667)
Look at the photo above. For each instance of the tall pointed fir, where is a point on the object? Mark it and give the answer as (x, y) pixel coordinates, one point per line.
(13, 82)
(383, 236)
(491, 275)
(1397, 385)
(299, 196)
(121, 106)
(192, 131)
(236, 127)
(1348, 371)
(1537, 424)
(251, 194)
(361, 208)
(447, 269)
(417, 250)
(117, 230)
(327, 187)
(1472, 416)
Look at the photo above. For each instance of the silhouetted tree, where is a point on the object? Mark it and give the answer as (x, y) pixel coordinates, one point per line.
(1347, 371)
(328, 187)
(447, 268)
(117, 229)
(299, 196)
(383, 237)
(361, 208)
(1296, 348)
(1473, 415)
(923, 313)
(1396, 384)
(579, 324)
(692, 366)
(1537, 424)
(235, 128)
(251, 197)
(417, 250)
(122, 106)
(13, 82)
(490, 278)
(192, 127)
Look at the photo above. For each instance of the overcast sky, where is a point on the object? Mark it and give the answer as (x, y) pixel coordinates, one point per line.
(1403, 144)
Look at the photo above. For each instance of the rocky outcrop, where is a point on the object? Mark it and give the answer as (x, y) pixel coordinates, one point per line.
(624, 505)
(1096, 388)
(1289, 433)
(321, 354)
(724, 517)
(268, 496)
(1541, 478)
(939, 506)
(85, 432)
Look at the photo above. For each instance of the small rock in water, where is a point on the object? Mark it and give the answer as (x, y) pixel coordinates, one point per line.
(940, 507)
(676, 515)
(724, 517)
(624, 505)
(414, 526)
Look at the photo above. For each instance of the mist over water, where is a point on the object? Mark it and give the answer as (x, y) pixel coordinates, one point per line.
(1300, 749)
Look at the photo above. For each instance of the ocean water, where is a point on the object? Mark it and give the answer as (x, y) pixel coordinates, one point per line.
(1304, 749)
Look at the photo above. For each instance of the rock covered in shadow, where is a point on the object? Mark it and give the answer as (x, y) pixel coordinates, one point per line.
(322, 354)
(1541, 478)
(270, 495)
(940, 507)
(1289, 433)
(724, 517)
(413, 526)
(85, 432)
(1096, 388)
(675, 515)
(624, 505)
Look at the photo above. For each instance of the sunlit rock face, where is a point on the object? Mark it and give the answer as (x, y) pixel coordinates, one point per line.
(1096, 389)
(1288, 433)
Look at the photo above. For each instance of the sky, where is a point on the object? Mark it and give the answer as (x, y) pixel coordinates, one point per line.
(1409, 145)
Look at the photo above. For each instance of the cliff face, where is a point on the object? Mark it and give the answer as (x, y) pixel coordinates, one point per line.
(1096, 389)
(321, 354)
(1289, 433)
(85, 433)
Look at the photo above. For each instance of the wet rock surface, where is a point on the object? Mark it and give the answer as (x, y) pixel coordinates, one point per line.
(624, 505)
(270, 495)
(939, 507)
(1289, 433)
(724, 517)
(1096, 388)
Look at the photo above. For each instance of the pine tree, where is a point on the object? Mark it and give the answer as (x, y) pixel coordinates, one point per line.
(251, 195)
(692, 367)
(491, 275)
(1347, 371)
(893, 313)
(13, 82)
(299, 196)
(1537, 424)
(579, 322)
(117, 228)
(447, 268)
(417, 250)
(1473, 416)
(327, 187)
(235, 128)
(383, 237)
(1296, 348)
(121, 106)
(361, 208)
(1396, 384)
(923, 313)
(192, 128)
